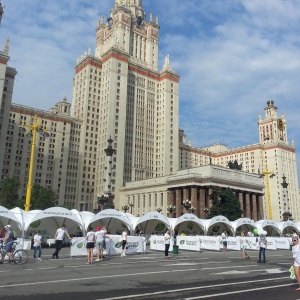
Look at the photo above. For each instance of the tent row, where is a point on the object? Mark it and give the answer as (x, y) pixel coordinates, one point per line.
(47, 221)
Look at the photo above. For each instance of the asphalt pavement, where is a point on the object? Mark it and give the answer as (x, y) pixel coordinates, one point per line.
(188, 275)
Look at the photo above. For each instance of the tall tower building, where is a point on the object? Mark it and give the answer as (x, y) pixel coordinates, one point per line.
(273, 157)
(7, 79)
(120, 93)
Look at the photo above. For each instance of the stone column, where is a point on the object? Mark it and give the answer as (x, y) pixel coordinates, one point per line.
(209, 202)
(241, 200)
(202, 203)
(260, 208)
(247, 211)
(194, 196)
(185, 193)
(254, 207)
(178, 203)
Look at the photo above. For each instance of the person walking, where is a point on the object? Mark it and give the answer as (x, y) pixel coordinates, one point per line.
(59, 236)
(167, 239)
(90, 245)
(124, 242)
(243, 244)
(175, 238)
(262, 244)
(37, 245)
(100, 242)
(296, 257)
(224, 240)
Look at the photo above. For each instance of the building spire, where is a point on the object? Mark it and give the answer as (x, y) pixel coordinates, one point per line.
(6, 48)
(1, 12)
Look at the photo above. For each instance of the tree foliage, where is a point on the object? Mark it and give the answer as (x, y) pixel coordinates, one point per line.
(9, 197)
(235, 165)
(225, 203)
(42, 198)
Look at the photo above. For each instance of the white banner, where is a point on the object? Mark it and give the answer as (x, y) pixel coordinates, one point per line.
(209, 242)
(189, 243)
(283, 243)
(233, 243)
(136, 244)
(157, 242)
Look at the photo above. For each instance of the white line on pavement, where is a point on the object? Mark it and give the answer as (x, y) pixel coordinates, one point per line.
(229, 267)
(239, 292)
(91, 278)
(192, 289)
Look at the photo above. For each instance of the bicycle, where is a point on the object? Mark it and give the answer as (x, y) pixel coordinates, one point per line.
(19, 257)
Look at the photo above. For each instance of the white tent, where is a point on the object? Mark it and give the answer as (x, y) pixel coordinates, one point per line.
(8, 217)
(287, 227)
(269, 226)
(115, 221)
(133, 221)
(50, 219)
(217, 225)
(243, 224)
(188, 223)
(153, 223)
(85, 218)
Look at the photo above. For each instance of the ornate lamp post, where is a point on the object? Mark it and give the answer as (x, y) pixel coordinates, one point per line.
(187, 204)
(125, 208)
(286, 214)
(81, 205)
(171, 208)
(102, 199)
(131, 206)
(192, 209)
(205, 212)
(33, 129)
(159, 209)
(266, 173)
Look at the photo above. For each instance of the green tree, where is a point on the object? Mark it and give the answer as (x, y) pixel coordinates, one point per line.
(225, 203)
(9, 197)
(42, 198)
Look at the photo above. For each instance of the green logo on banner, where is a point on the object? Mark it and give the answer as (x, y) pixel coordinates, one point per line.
(35, 224)
(160, 227)
(118, 245)
(79, 245)
(182, 242)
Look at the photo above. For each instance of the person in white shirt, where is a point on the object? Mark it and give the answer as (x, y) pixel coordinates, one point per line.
(224, 240)
(124, 242)
(262, 244)
(90, 245)
(167, 239)
(296, 257)
(37, 245)
(243, 244)
(59, 236)
(100, 242)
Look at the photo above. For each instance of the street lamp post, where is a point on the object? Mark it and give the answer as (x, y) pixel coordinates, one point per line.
(205, 212)
(171, 208)
(125, 208)
(187, 204)
(266, 173)
(131, 206)
(33, 129)
(102, 199)
(81, 205)
(192, 209)
(286, 213)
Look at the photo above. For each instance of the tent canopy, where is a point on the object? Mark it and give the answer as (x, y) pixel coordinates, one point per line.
(188, 223)
(153, 223)
(217, 225)
(8, 217)
(85, 218)
(269, 226)
(287, 227)
(243, 224)
(115, 221)
(50, 219)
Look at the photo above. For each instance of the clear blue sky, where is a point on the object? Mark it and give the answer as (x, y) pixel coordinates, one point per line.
(232, 56)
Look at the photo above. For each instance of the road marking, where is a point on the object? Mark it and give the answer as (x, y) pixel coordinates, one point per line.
(233, 272)
(91, 278)
(239, 292)
(193, 263)
(193, 289)
(213, 268)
